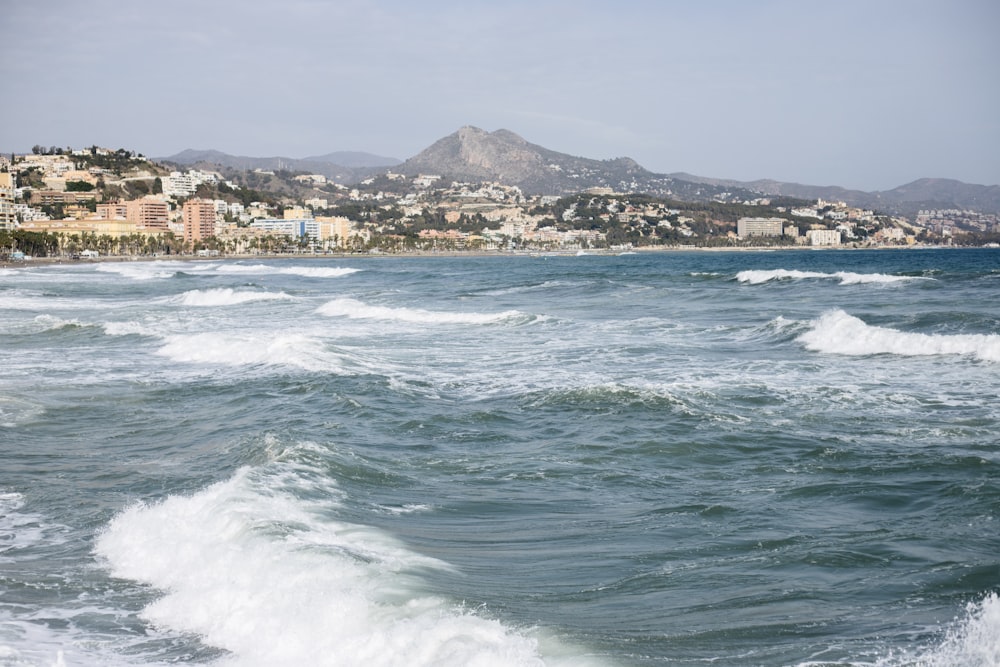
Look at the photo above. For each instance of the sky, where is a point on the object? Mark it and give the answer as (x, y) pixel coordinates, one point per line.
(865, 94)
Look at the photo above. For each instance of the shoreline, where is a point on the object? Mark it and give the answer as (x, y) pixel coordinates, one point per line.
(597, 252)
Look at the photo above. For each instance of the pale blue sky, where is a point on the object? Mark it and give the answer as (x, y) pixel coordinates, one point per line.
(867, 94)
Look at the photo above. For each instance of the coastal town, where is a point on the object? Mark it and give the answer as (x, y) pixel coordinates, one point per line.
(98, 202)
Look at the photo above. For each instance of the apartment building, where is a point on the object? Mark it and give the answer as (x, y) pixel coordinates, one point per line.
(747, 227)
(7, 217)
(199, 219)
(150, 212)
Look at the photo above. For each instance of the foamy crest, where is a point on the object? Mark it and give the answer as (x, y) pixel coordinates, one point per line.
(306, 271)
(972, 641)
(836, 332)
(294, 350)
(226, 297)
(140, 270)
(266, 575)
(16, 411)
(19, 529)
(318, 272)
(130, 328)
(53, 323)
(757, 277)
(356, 309)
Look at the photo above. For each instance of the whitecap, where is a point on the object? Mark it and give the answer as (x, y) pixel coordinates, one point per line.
(140, 270)
(837, 332)
(358, 310)
(305, 271)
(757, 277)
(971, 641)
(264, 349)
(226, 297)
(19, 529)
(318, 272)
(257, 570)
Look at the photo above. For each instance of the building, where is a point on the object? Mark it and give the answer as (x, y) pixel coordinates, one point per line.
(7, 185)
(336, 228)
(112, 211)
(52, 197)
(150, 212)
(747, 227)
(823, 237)
(199, 219)
(300, 228)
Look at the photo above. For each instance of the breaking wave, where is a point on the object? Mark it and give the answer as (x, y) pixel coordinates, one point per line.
(356, 309)
(141, 270)
(757, 277)
(227, 297)
(295, 350)
(837, 332)
(972, 641)
(306, 271)
(257, 570)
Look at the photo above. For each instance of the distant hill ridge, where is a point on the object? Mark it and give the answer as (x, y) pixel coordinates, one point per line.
(472, 154)
(342, 166)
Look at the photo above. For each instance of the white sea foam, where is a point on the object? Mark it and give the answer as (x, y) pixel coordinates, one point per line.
(15, 410)
(837, 332)
(757, 277)
(268, 576)
(318, 271)
(226, 296)
(306, 271)
(27, 302)
(20, 529)
(140, 270)
(972, 641)
(356, 309)
(265, 349)
(130, 328)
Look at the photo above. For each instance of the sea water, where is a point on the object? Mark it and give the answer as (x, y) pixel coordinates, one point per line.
(684, 458)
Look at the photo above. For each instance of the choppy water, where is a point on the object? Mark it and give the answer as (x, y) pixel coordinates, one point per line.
(775, 458)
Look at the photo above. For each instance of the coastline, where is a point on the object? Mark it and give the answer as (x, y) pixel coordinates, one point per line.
(28, 262)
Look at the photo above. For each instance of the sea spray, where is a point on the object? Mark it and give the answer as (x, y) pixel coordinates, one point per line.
(270, 578)
(837, 332)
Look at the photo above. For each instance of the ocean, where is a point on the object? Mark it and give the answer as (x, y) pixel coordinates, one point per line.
(681, 458)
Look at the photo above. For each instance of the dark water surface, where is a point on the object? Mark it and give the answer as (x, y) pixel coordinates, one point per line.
(704, 458)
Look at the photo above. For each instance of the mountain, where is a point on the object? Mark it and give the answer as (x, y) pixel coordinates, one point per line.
(472, 155)
(924, 193)
(353, 166)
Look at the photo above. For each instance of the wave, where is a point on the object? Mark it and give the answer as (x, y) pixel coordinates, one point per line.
(141, 270)
(837, 332)
(356, 309)
(295, 350)
(306, 271)
(318, 272)
(256, 569)
(757, 277)
(130, 328)
(971, 641)
(226, 297)
(20, 529)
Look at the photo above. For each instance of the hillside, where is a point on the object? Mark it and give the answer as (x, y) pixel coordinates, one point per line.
(472, 155)
(924, 193)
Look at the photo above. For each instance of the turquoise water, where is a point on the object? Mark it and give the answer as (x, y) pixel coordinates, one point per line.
(690, 458)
